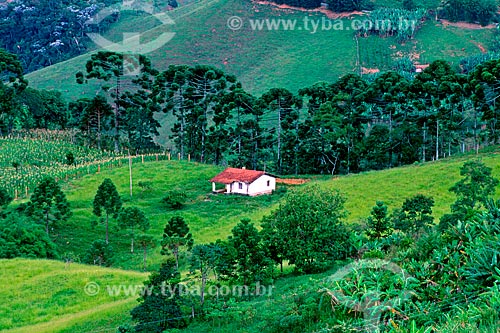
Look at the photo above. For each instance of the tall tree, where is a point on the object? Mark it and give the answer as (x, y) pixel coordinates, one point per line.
(133, 219)
(160, 309)
(176, 235)
(204, 258)
(112, 67)
(12, 82)
(48, 203)
(92, 117)
(145, 242)
(476, 186)
(251, 263)
(108, 200)
(283, 107)
(378, 224)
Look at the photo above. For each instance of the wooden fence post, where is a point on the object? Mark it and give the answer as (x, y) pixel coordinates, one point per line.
(189, 157)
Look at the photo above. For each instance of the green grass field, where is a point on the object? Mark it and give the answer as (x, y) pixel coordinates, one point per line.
(49, 296)
(266, 59)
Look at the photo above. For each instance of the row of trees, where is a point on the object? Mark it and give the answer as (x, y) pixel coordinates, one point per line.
(346, 126)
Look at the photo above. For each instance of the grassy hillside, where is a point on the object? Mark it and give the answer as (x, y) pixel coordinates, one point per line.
(266, 59)
(211, 217)
(49, 296)
(55, 290)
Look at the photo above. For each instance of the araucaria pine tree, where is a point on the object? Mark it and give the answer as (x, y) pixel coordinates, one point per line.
(108, 200)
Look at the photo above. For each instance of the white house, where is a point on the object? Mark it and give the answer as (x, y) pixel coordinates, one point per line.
(243, 181)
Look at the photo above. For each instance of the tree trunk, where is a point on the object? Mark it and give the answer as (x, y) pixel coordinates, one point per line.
(107, 231)
(144, 256)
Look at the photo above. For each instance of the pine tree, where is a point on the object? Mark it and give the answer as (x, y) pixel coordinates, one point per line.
(108, 200)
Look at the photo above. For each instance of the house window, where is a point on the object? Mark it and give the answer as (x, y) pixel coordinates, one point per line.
(240, 186)
(268, 183)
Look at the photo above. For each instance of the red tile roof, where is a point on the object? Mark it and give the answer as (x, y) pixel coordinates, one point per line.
(231, 175)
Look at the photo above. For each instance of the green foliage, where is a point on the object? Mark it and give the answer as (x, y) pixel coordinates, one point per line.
(347, 6)
(100, 253)
(308, 228)
(146, 242)
(176, 235)
(161, 308)
(474, 189)
(174, 199)
(22, 237)
(48, 204)
(379, 223)
(132, 218)
(70, 158)
(482, 11)
(251, 263)
(415, 214)
(108, 200)
(5, 198)
(145, 185)
(401, 23)
(43, 154)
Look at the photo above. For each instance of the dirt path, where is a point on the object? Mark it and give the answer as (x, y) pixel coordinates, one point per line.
(328, 13)
(480, 46)
(465, 25)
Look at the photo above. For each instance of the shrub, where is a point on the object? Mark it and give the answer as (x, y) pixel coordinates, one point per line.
(174, 199)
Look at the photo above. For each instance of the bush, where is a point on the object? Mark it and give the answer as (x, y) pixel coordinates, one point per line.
(100, 253)
(174, 199)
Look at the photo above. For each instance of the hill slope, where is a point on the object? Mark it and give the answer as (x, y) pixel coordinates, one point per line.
(263, 59)
(49, 296)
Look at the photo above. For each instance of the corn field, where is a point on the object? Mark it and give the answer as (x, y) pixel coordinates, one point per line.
(25, 161)
(387, 22)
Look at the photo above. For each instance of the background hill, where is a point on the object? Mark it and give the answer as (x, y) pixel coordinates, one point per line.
(265, 59)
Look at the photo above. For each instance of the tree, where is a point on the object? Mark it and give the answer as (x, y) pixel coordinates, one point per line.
(92, 117)
(100, 253)
(204, 258)
(309, 227)
(48, 204)
(378, 224)
(12, 82)
(474, 189)
(22, 237)
(5, 198)
(111, 67)
(145, 241)
(176, 235)
(251, 263)
(133, 218)
(108, 200)
(160, 308)
(415, 215)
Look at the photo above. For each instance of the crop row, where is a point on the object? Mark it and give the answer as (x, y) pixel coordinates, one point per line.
(24, 162)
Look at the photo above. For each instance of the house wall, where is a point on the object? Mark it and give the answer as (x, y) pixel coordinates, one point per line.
(234, 188)
(259, 186)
